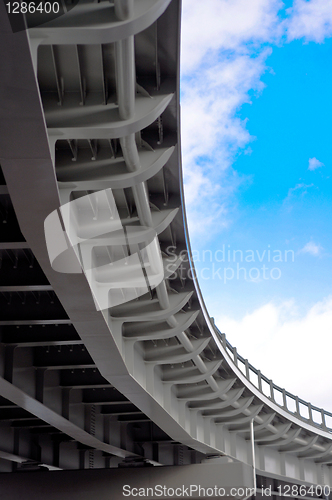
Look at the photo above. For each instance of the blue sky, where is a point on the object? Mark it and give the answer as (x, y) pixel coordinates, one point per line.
(256, 133)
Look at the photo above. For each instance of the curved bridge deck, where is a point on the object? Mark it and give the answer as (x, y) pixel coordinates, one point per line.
(92, 105)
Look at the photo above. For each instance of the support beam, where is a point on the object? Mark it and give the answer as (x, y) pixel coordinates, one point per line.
(23, 400)
(117, 483)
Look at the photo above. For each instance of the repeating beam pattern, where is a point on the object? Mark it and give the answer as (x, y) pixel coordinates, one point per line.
(109, 85)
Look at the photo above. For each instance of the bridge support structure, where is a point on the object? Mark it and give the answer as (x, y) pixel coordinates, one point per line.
(189, 481)
(90, 107)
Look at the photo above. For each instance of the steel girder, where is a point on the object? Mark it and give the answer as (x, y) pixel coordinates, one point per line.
(98, 109)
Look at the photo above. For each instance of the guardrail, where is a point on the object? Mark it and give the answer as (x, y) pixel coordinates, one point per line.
(294, 405)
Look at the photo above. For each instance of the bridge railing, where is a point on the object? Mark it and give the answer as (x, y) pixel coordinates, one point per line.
(294, 405)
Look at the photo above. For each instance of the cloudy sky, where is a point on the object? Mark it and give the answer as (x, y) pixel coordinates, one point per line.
(256, 139)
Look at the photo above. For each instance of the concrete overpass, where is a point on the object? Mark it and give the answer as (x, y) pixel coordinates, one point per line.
(90, 104)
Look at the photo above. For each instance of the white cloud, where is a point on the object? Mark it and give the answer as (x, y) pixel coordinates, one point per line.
(210, 131)
(311, 20)
(214, 25)
(300, 190)
(222, 59)
(312, 249)
(314, 164)
(212, 134)
(209, 102)
(223, 56)
(287, 347)
(295, 195)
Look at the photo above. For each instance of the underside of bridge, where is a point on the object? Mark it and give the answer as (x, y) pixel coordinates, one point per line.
(90, 120)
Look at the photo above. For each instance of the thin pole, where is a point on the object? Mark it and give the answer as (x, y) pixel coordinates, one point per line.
(252, 439)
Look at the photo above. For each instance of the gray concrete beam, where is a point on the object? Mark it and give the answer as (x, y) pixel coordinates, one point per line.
(195, 481)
